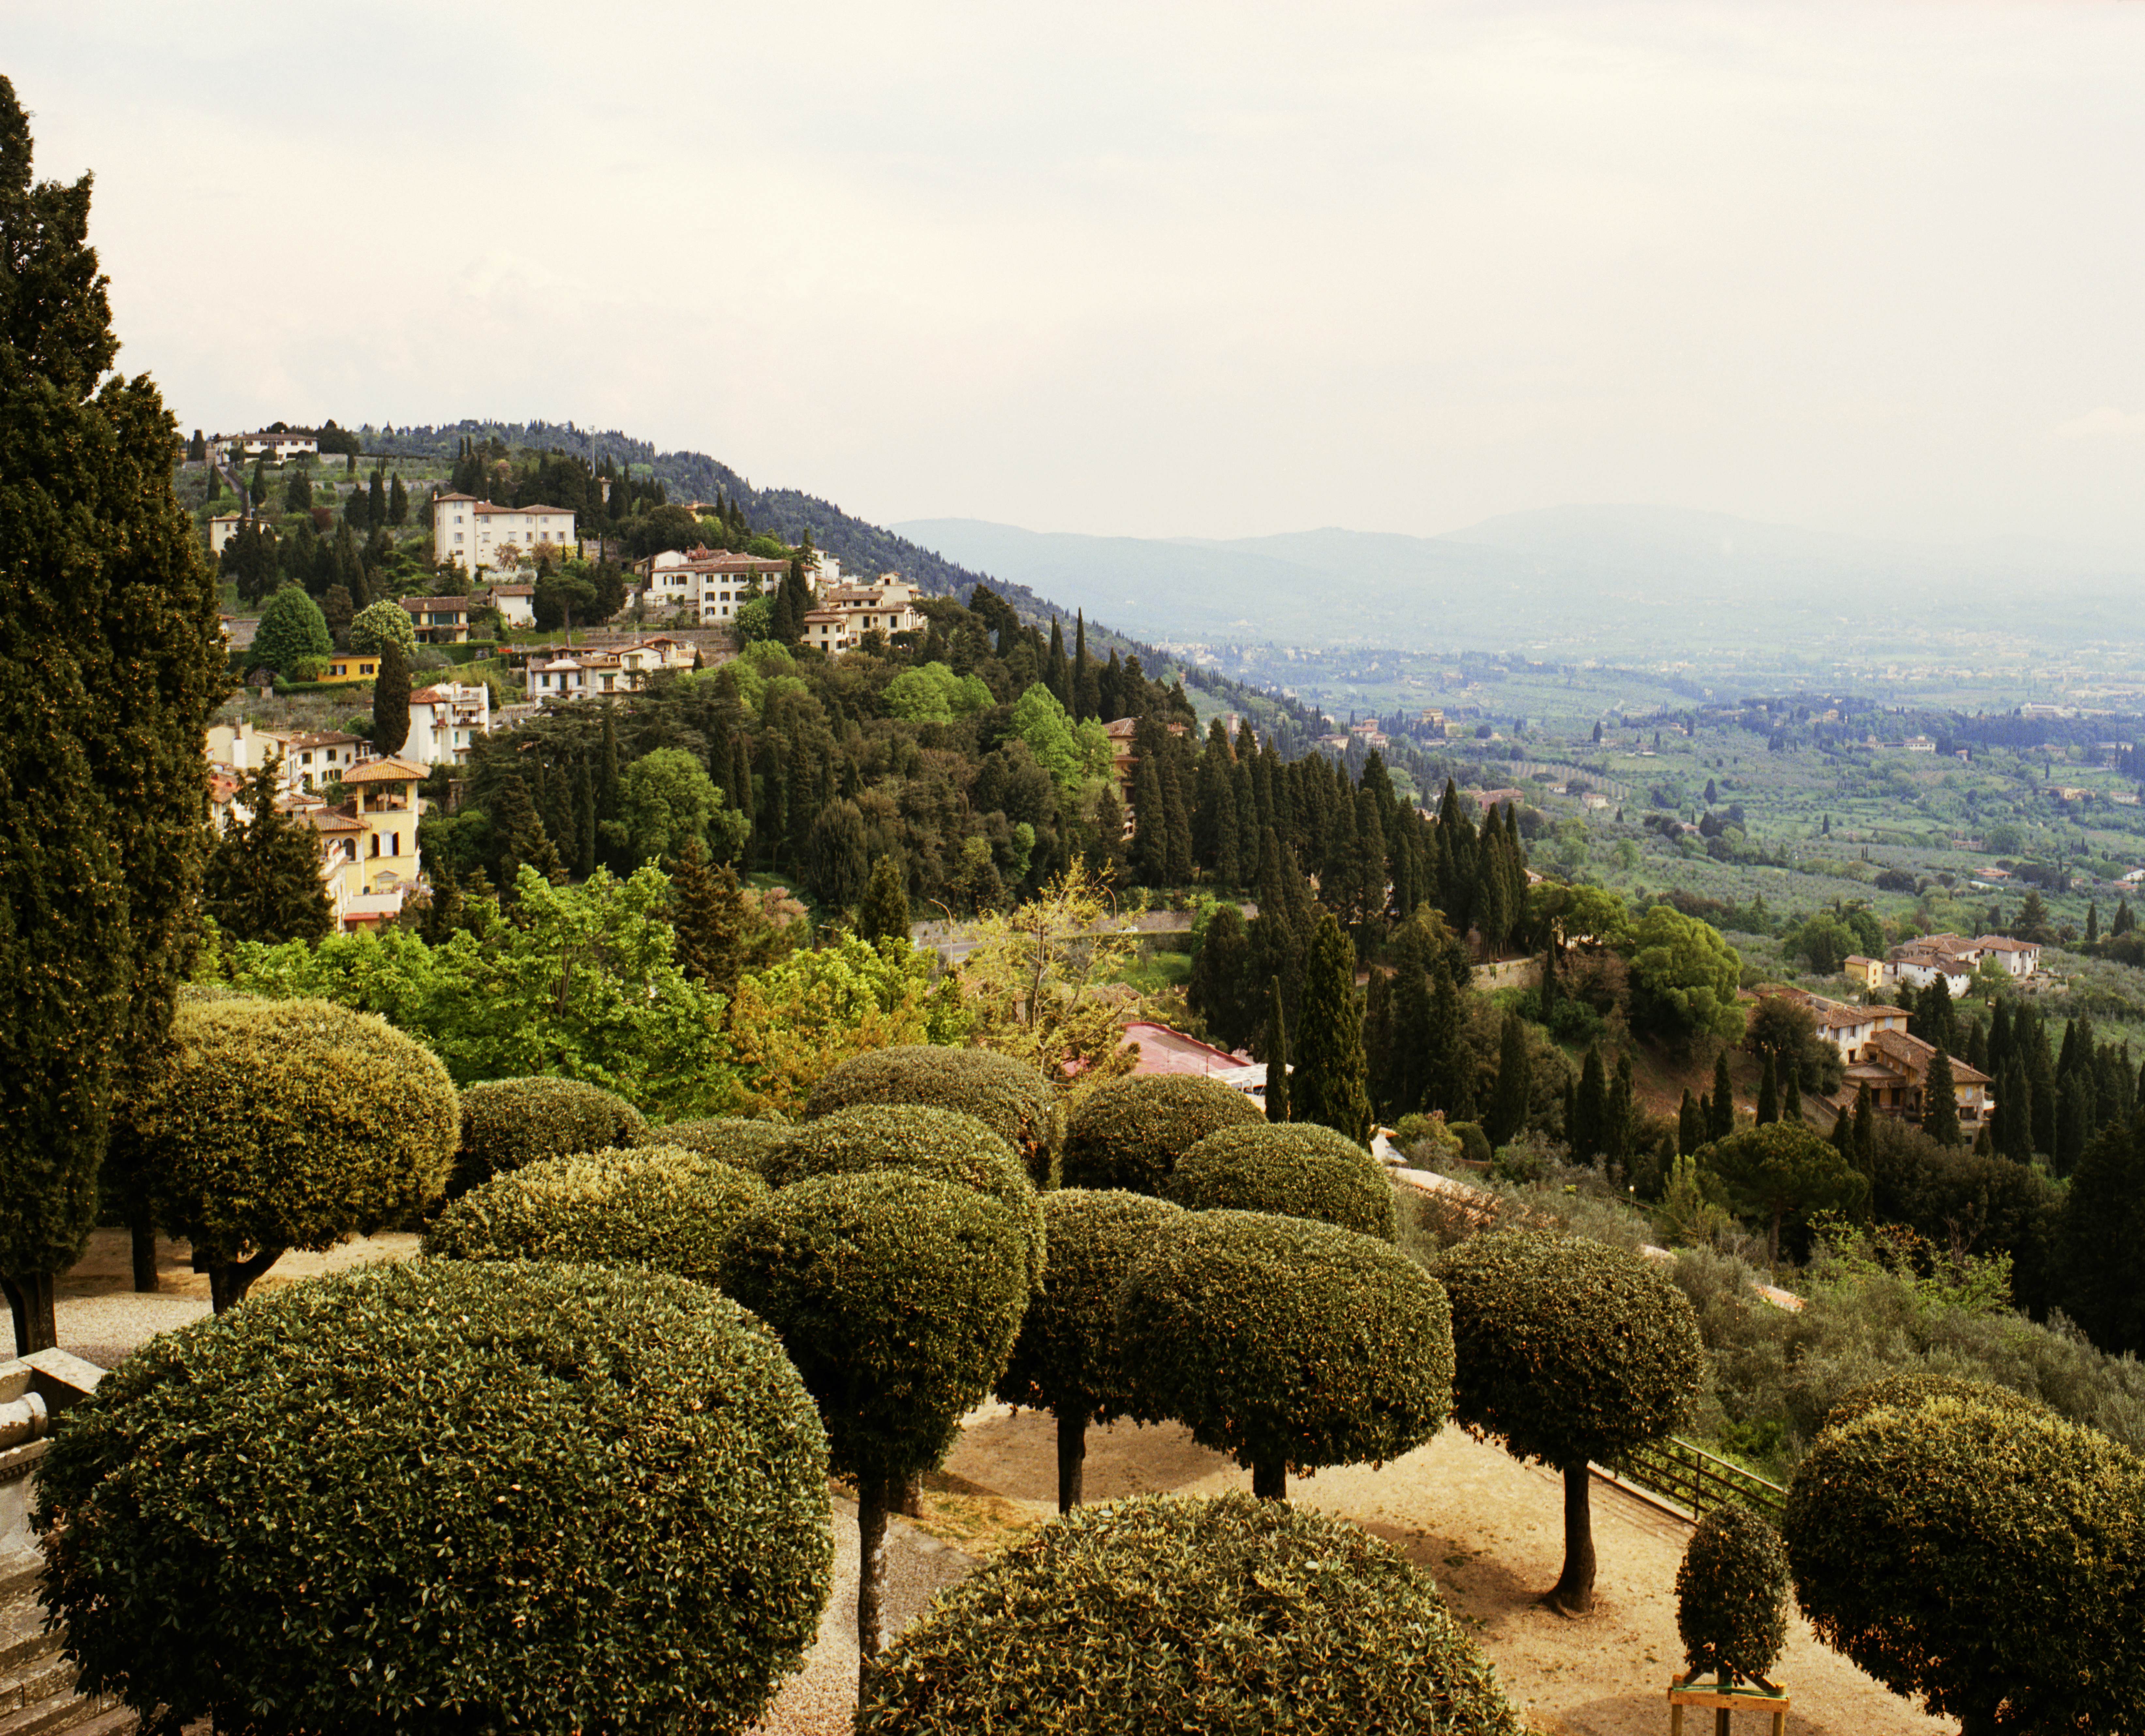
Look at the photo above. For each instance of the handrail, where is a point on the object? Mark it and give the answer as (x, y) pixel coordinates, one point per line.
(1684, 1472)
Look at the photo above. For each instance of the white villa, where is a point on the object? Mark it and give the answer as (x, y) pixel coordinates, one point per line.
(847, 612)
(444, 723)
(709, 585)
(470, 532)
(591, 674)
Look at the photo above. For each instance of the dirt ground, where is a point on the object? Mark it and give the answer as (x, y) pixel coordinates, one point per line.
(1488, 1530)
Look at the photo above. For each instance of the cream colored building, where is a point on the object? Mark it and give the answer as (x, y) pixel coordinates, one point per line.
(447, 722)
(470, 532)
(849, 611)
(369, 844)
(708, 585)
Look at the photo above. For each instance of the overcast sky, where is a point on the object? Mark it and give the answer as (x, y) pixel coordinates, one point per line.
(1161, 269)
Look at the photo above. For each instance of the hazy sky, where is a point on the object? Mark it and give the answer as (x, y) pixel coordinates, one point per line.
(1160, 269)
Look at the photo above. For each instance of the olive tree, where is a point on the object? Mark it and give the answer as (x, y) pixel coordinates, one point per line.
(508, 1122)
(1129, 1133)
(1007, 1096)
(1296, 1169)
(1732, 1596)
(1067, 1359)
(269, 1126)
(442, 1496)
(1568, 1351)
(1287, 1344)
(1984, 1555)
(1197, 1617)
(898, 1297)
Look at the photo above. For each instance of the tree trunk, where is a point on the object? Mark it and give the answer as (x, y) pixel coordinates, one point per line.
(870, 1570)
(1270, 1480)
(1574, 1591)
(907, 1497)
(229, 1279)
(30, 1301)
(144, 1238)
(1072, 1457)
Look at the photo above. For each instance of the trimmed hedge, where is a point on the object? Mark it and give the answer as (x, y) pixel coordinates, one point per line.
(1986, 1558)
(1011, 1099)
(940, 1143)
(897, 1296)
(1295, 1169)
(742, 1144)
(1732, 1595)
(449, 1496)
(661, 1207)
(1168, 1612)
(1287, 1343)
(1895, 1391)
(1129, 1133)
(508, 1122)
(1066, 1358)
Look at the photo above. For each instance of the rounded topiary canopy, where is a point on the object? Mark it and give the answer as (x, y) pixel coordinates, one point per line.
(1732, 1595)
(1130, 1133)
(897, 1296)
(655, 1205)
(446, 1496)
(1987, 1558)
(940, 1143)
(1896, 1390)
(733, 1140)
(1066, 1358)
(1567, 1350)
(508, 1122)
(1197, 1617)
(1008, 1097)
(1282, 1341)
(1296, 1169)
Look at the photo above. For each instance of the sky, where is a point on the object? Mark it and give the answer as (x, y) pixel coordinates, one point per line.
(1161, 270)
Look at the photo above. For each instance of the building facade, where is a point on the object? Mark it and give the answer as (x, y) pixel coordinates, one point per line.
(708, 586)
(472, 532)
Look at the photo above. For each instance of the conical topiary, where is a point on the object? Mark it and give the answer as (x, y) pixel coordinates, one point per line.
(1731, 1596)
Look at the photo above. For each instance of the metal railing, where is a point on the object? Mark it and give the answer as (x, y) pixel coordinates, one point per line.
(1698, 1481)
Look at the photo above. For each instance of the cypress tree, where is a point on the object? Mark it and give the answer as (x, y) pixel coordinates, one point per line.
(2041, 1081)
(607, 771)
(1791, 1095)
(1842, 1134)
(1448, 1068)
(1329, 1087)
(109, 667)
(1415, 1033)
(1590, 1106)
(1056, 673)
(1620, 1122)
(708, 916)
(1724, 1099)
(2091, 921)
(1508, 1101)
(883, 915)
(2014, 1113)
(585, 818)
(1241, 799)
(1940, 1101)
(1277, 1103)
(1177, 812)
(1769, 1093)
(1865, 1131)
(391, 701)
(2073, 1123)
(262, 880)
(398, 503)
(2124, 920)
(1150, 824)
(1214, 808)
(1690, 1125)
(376, 501)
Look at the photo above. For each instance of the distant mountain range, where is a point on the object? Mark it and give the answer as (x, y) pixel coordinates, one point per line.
(1614, 577)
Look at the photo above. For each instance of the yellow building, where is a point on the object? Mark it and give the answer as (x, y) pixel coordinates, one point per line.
(369, 844)
(352, 666)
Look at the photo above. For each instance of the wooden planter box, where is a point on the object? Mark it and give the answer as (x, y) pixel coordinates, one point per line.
(1725, 1700)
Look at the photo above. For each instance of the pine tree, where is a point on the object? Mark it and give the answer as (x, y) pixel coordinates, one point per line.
(391, 702)
(1513, 1093)
(1151, 825)
(1769, 1093)
(262, 880)
(1329, 1087)
(1791, 1095)
(1724, 1099)
(1057, 672)
(375, 502)
(1940, 1101)
(1277, 1094)
(2124, 922)
(1087, 691)
(1842, 1134)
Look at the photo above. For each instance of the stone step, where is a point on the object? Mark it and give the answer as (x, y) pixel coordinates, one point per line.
(66, 1712)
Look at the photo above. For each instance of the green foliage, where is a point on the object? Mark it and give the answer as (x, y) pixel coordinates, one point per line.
(291, 628)
(446, 1496)
(1285, 1342)
(1072, 753)
(1783, 1170)
(942, 1144)
(1130, 1133)
(745, 1145)
(262, 879)
(1201, 1618)
(1909, 1391)
(898, 1298)
(391, 701)
(668, 800)
(1007, 1095)
(1567, 1350)
(1732, 1595)
(378, 626)
(1474, 1145)
(1300, 1170)
(883, 913)
(661, 1207)
(1067, 1358)
(931, 694)
(1683, 979)
(1330, 1085)
(1986, 1559)
(509, 1123)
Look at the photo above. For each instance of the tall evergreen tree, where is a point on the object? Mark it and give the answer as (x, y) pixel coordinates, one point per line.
(1329, 1087)
(1057, 672)
(1769, 1093)
(1791, 1094)
(1690, 1124)
(585, 818)
(109, 666)
(1277, 1062)
(1865, 1132)
(376, 501)
(1514, 1091)
(1087, 690)
(1724, 1099)
(398, 503)
(708, 915)
(1620, 1126)
(391, 701)
(1940, 1101)
(1590, 1106)
(262, 880)
(883, 915)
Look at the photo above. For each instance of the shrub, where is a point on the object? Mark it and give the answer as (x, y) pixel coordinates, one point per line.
(1568, 1350)
(655, 1205)
(379, 625)
(1129, 1133)
(437, 1496)
(743, 1144)
(1908, 1390)
(898, 1297)
(1984, 1559)
(1201, 1617)
(1067, 1359)
(935, 1142)
(287, 1124)
(1475, 1146)
(508, 1122)
(309, 668)
(1011, 1099)
(1287, 1344)
(1294, 1169)
(1732, 1596)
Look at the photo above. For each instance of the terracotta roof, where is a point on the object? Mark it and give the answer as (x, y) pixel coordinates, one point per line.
(514, 590)
(485, 506)
(1913, 1054)
(334, 819)
(2004, 943)
(318, 739)
(387, 771)
(416, 602)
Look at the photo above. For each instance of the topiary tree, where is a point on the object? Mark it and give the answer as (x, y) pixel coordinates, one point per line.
(1732, 1597)
(898, 1298)
(1569, 1351)
(1067, 1359)
(1197, 1617)
(508, 1122)
(378, 626)
(1907, 1391)
(1008, 1097)
(934, 1142)
(743, 1144)
(1129, 1133)
(440, 1496)
(1303, 1169)
(287, 1124)
(661, 1206)
(1286, 1343)
(1985, 1558)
